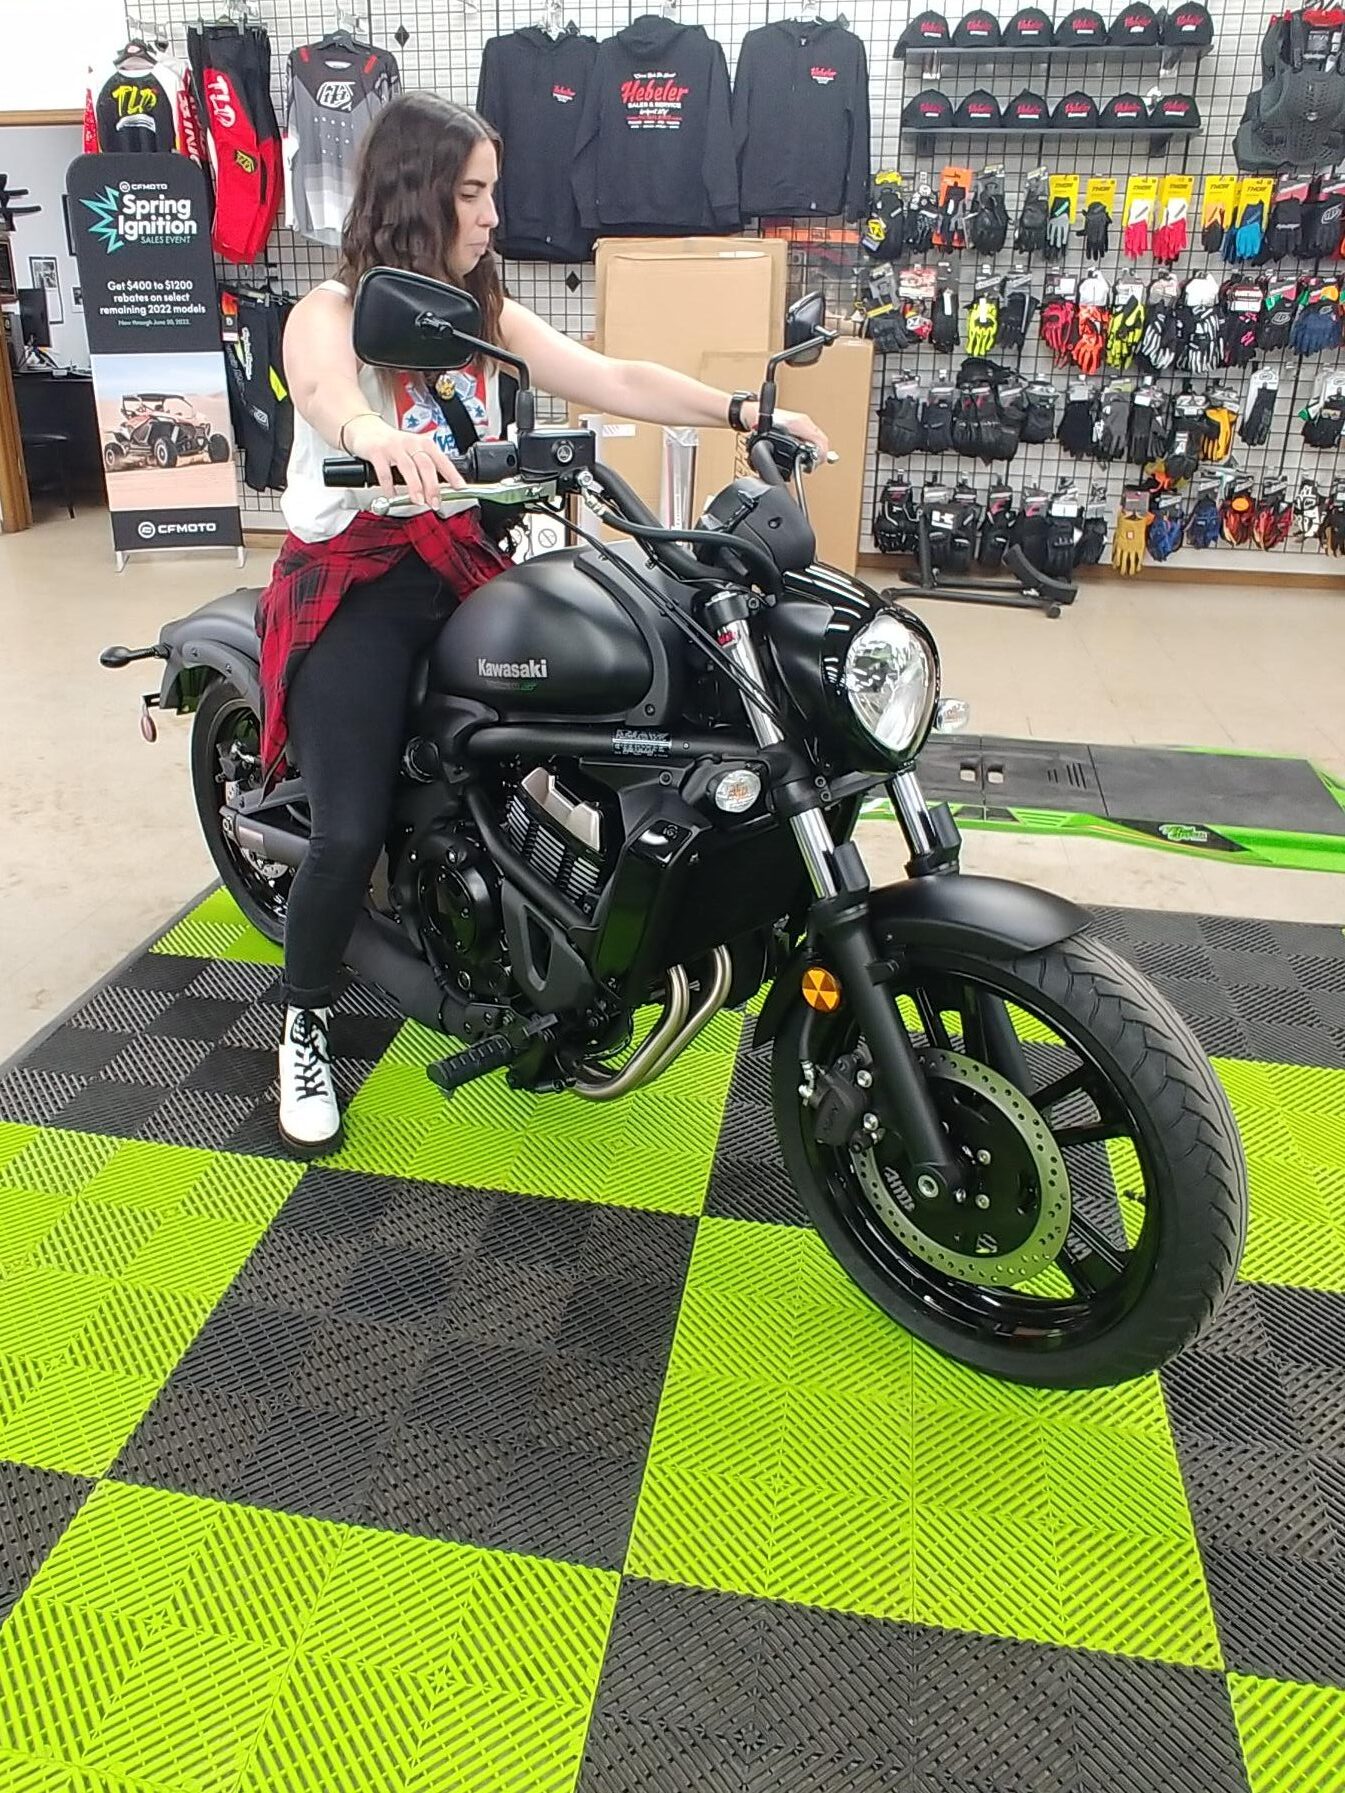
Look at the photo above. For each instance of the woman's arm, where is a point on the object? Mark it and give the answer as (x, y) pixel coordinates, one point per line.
(638, 389)
(324, 382)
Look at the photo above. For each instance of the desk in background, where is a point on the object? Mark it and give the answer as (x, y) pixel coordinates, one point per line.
(63, 404)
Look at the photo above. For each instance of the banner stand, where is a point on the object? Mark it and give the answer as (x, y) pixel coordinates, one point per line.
(141, 227)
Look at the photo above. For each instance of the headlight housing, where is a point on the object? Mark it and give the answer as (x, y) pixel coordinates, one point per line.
(891, 683)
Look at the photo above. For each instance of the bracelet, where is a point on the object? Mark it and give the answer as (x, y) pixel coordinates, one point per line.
(736, 403)
(341, 434)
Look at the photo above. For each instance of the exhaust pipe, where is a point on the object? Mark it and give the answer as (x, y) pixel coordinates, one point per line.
(282, 846)
(674, 1031)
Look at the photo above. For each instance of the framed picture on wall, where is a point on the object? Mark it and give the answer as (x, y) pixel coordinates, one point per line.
(42, 271)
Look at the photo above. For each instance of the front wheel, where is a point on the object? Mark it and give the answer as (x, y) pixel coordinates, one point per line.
(218, 449)
(226, 759)
(1105, 1203)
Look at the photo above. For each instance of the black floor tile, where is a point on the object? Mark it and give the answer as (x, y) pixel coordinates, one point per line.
(35, 1098)
(247, 1353)
(398, 1285)
(620, 1320)
(685, 1659)
(318, 1464)
(36, 1505)
(1247, 1499)
(195, 1018)
(1223, 1400)
(78, 1051)
(622, 1756)
(992, 1711)
(1150, 1727)
(838, 1686)
(335, 1204)
(119, 1109)
(476, 1390)
(194, 1440)
(574, 1505)
(509, 1304)
(438, 1485)
(1278, 1616)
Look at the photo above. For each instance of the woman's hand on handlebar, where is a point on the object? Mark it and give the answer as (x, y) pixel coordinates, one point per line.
(798, 424)
(402, 456)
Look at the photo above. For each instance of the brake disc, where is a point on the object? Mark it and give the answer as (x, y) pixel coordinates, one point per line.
(1034, 1238)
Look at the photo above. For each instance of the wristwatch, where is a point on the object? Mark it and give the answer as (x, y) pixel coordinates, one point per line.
(736, 404)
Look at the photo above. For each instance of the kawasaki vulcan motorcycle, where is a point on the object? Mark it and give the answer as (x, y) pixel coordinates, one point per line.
(631, 780)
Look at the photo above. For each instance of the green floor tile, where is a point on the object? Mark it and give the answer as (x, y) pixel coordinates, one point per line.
(1293, 1736)
(979, 1573)
(77, 1418)
(215, 929)
(1108, 1482)
(13, 1139)
(197, 1646)
(1293, 1237)
(851, 1548)
(1137, 1594)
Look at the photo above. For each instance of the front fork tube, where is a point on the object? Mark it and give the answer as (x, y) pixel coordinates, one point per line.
(840, 917)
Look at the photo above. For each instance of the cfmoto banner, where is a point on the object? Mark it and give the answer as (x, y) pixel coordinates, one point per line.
(142, 238)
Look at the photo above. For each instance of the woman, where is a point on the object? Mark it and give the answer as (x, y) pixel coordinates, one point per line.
(354, 598)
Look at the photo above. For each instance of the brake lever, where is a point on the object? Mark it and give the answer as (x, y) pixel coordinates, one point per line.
(515, 491)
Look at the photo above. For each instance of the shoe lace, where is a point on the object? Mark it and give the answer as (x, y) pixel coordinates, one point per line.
(312, 1065)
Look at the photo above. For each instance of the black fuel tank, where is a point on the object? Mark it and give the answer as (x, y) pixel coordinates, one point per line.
(544, 637)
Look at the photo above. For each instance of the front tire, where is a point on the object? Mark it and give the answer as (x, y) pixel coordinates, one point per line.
(1162, 1259)
(226, 727)
(218, 449)
(165, 453)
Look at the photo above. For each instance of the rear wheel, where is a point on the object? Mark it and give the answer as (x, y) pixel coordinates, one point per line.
(113, 458)
(218, 448)
(1105, 1206)
(226, 759)
(165, 454)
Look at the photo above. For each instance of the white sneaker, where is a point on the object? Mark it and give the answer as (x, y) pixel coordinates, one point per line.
(310, 1117)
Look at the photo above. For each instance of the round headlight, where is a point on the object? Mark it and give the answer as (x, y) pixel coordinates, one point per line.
(890, 681)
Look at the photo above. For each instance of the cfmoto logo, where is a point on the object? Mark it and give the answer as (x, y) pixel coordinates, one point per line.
(147, 532)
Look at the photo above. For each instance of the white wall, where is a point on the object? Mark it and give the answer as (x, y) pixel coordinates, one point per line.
(36, 157)
(49, 45)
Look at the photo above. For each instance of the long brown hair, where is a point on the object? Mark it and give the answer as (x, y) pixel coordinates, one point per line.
(404, 214)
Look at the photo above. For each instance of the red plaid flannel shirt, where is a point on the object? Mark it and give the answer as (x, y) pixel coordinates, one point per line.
(309, 580)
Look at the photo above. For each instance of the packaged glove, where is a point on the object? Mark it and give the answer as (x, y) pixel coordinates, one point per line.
(895, 524)
(922, 218)
(1096, 231)
(899, 431)
(1325, 422)
(1029, 528)
(1212, 236)
(1274, 517)
(1157, 351)
(1057, 228)
(1201, 337)
(1060, 540)
(1307, 510)
(988, 222)
(1316, 325)
(995, 528)
(1011, 406)
(1111, 430)
(1031, 234)
(1247, 241)
(1125, 329)
(1222, 417)
(886, 330)
(1059, 318)
(1135, 233)
(1240, 300)
(1170, 236)
(936, 419)
(1332, 532)
(1237, 514)
(1092, 540)
(966, 514)
(883, 233)
(1277, 316)
(1090, 338)
(1127, 548)
(1039, 423)
(1015, 313)
(1261, 395)
(1202, 531)
(1284, 233)
(1164, 534)
(1075, 434)
(964, 426)
(943, 335)
(983, 325)
(952, 229)
(1148, 427)
(1324, 231)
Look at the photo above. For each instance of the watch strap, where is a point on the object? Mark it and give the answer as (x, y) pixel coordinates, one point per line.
(736, 404)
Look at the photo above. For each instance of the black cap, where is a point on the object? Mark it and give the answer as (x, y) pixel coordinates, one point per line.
(1127, 111)
(978, 30)
(1188, 23)
(1029, 26)
(1176, 110)
(1135, 24)
(1027, 111)
(1076, 111)
(1083, 26)
(927, 110)
(981, 110)
(927, 31)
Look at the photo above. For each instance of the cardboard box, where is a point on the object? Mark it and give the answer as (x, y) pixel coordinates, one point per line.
(837, 394)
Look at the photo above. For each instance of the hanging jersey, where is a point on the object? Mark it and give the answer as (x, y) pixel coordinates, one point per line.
(143, 109)
(336, 92)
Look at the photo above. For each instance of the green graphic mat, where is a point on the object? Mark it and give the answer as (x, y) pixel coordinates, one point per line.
(537, 1446)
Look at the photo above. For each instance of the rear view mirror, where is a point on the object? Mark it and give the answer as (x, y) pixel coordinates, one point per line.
(408, 320)
(805, 319)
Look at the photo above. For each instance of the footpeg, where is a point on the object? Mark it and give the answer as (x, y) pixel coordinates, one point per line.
(478, 1060)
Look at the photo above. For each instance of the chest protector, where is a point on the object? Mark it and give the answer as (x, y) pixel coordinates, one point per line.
(1297, 117)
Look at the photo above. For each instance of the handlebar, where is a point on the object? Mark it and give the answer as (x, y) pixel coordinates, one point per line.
(483, 465)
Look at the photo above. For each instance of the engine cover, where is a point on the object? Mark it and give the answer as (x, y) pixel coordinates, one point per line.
(448, 886)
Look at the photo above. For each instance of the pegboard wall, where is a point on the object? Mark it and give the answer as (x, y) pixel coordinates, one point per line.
(442, 53)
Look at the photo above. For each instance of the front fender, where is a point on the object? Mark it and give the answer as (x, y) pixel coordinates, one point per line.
(992, 917)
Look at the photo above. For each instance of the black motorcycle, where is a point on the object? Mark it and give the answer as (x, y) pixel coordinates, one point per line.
(632, 776)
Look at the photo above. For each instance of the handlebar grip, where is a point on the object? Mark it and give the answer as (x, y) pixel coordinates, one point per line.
(764, 464)
(347, 470)
(486, 464)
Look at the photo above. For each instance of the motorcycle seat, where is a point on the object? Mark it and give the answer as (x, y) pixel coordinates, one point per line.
(229, 619)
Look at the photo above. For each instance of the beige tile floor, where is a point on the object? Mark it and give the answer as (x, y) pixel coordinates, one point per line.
(100, 843)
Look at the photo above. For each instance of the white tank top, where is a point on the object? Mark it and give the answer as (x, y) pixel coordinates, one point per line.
(316, 513)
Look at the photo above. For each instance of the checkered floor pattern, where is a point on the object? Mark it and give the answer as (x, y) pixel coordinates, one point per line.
(532, 1447)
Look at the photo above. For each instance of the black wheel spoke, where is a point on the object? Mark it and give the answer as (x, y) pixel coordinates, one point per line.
(1074, 1082)
(1094, 1133)
(1095, 1263)
(932, 1022)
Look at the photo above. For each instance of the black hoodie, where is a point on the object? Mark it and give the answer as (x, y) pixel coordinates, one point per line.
(801, 120)
(532, 90)
(655, 150)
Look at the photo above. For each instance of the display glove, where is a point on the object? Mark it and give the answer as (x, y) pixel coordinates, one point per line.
(1332, 532)
(952, 217)
(1092, 540)
(1316, 325)
(1011, 414)
(1090, 338)
(1212, 237)
(1057, 228)
(1135, 235)
(1170, 237)
(1222, 419)
(1202, 531)
(1274, 518)
(1029, 529)
(936, 420)
(1075, 434)
(943, 335)
(1325, 423)
(1239, 338)
(983, 325)
(1039, 423)
(899, 431)
(988, 221)
(1237, 514)
(887, 331)
(1183, 456)
(995, 527)
(1096, 231)
(1284, 233)
(964, 427)
(1015, 315)
(1164, 535)
(1127, 548)
(1308, 509)
(1158, 346)
(1111, 432)
(1201, 337)
(1059, 545)
(1125, 330)
(1276, 321)
(1325, 234)
(1058, 321)
(1031, 234)
(1247, 239)
(894, 522)
(1261, 395)
(1148, 431)
(922, 216)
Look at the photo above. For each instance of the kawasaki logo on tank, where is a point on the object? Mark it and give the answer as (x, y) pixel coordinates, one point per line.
(511, 669)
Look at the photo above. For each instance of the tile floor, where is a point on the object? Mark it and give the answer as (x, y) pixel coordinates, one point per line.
(102, 844)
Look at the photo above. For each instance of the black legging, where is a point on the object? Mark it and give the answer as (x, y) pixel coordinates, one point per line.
(346, 714)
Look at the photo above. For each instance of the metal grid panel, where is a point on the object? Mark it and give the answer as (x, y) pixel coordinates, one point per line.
(443, 52)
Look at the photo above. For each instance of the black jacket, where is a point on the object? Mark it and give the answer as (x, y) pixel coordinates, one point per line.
(532, 89)
(655, 148)
(801, 121)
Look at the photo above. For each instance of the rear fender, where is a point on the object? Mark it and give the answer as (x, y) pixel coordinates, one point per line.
(988, 917)
(189, 668)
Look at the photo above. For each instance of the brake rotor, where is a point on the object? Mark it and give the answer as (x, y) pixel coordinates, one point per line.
(1016, 1213)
